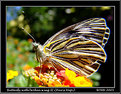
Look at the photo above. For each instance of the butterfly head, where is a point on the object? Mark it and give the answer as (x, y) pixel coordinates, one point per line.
(38, 50)
(36, 46)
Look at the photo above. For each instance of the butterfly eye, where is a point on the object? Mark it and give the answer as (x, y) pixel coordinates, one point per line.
(35, 46)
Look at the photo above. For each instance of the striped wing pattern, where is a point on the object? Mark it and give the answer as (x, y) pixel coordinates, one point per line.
(77, 54)
(94, 29)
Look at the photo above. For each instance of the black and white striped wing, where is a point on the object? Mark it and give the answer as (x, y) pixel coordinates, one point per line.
(76, 54)
(94, 29)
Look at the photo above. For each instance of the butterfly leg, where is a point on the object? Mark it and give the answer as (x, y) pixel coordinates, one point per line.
(40, 66)
(54, 66)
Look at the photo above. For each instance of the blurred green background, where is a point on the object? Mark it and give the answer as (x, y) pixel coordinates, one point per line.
(42, 23)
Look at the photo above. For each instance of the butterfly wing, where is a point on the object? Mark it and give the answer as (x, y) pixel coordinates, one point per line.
(94, 29)
(76, 54)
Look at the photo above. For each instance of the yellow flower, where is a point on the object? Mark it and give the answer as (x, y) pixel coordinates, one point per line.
(82, 81)
(11, 74)
(41, 86)
(70, 74)
(79, 81)
(37, 79)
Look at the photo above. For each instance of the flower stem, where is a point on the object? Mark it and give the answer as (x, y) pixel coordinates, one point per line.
(28, 82)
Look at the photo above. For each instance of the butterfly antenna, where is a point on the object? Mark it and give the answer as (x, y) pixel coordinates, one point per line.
(29, 34)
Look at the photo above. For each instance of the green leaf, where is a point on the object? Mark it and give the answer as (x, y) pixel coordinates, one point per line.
(22, 82)
(96, 83)
(95, 76)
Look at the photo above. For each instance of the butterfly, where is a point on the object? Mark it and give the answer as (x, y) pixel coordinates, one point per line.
(79, 47)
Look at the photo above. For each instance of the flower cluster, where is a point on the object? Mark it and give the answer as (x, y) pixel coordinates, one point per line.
(49, 77)
(11, 74)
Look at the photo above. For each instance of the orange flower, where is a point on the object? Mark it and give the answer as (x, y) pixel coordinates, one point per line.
(51, 78)
(19, 48)
(55, 83)
(30, 40)
(68, 83)
(26, 67)
(16, 41)
(36, 78)
(20, 56)
(11, 65)
(9, 37)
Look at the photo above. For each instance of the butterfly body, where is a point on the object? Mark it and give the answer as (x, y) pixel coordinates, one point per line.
(79, 47)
